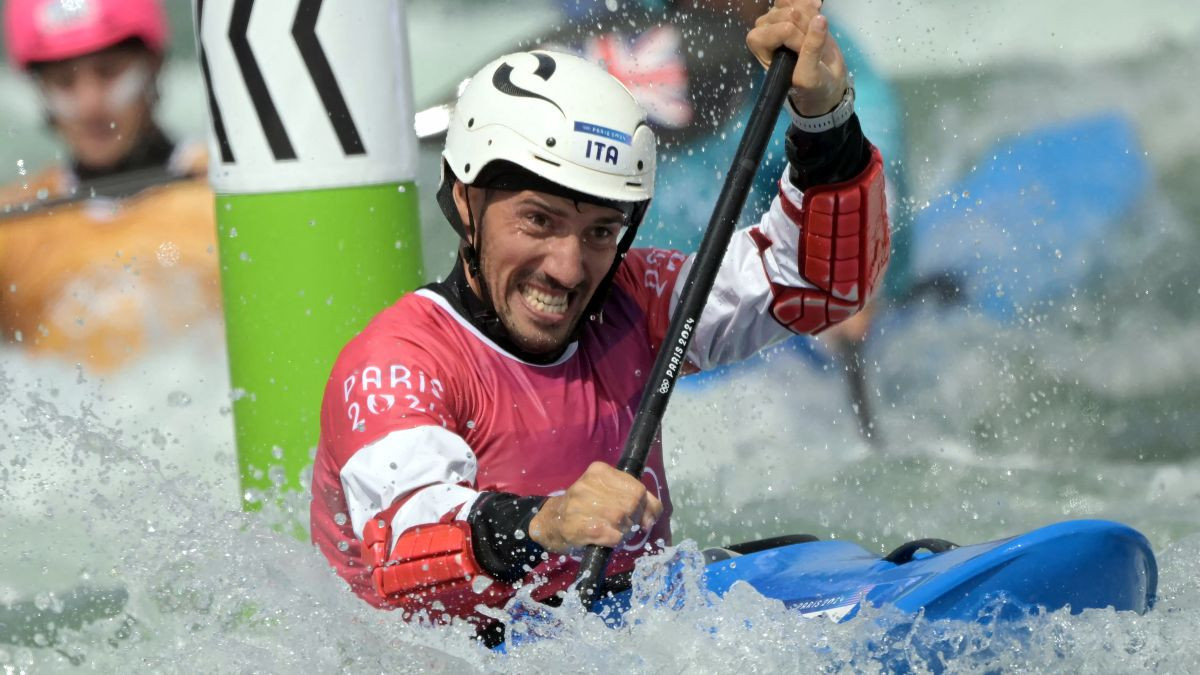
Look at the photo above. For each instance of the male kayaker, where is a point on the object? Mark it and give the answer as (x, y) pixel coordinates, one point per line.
(96, 280)
(468, 433)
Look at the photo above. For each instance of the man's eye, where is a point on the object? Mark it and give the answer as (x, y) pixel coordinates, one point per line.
(537, 220)
(109, 71)
(58, 80)
(604, 233)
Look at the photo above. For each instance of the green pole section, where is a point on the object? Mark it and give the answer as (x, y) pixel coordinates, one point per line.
(301, 274)
(312, 158)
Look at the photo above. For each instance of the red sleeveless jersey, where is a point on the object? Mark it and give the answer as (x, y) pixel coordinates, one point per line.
(532, 429)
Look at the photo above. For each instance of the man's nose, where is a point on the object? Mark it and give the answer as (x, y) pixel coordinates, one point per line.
(564, 260)
(91, 95)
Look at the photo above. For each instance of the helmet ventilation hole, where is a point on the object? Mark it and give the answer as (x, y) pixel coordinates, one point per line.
(640, 165)
(470, 122)
(467, 168)
(550, 142)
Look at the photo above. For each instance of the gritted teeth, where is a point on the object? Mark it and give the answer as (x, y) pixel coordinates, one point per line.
(553, 303)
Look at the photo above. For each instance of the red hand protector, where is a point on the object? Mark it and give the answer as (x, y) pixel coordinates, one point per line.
(844, 250)
(430, 563)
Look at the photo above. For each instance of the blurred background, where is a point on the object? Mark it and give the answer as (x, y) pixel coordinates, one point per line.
(1034, 359)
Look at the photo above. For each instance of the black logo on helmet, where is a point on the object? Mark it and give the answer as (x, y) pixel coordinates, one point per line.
(502, 79)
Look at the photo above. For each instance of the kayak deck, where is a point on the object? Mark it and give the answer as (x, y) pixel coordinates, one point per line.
(1079, 564)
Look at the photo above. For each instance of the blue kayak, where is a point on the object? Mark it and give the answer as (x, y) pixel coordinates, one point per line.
(1081, 564)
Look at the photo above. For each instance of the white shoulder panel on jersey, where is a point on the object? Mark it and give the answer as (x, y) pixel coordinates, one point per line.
(737, 320)
(782, 260)
(430, 459)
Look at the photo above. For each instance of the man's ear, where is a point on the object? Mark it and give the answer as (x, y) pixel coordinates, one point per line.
(155, 61)
(459, 192)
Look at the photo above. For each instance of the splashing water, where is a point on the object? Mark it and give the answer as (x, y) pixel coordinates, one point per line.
(125, 546)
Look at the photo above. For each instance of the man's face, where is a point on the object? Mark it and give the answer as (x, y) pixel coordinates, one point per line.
(98, 102)
(542, 258)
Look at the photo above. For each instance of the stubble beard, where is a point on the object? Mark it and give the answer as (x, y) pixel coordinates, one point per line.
(532, 339)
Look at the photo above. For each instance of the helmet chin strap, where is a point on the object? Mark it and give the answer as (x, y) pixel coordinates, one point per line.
(473, 256)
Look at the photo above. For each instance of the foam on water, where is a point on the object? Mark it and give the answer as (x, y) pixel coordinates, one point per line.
(211, 589)
(126, 485)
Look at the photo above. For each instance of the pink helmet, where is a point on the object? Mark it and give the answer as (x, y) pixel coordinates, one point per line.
(52, 30)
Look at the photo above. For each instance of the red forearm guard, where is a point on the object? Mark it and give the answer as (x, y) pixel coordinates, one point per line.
(844, 249)
(430, 563)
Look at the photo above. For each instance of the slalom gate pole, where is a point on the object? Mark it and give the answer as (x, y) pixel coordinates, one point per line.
(312, 158)
(699, 283)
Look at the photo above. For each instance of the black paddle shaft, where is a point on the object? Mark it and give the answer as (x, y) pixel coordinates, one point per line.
(672, 354)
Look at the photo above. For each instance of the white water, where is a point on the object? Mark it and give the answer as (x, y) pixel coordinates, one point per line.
(1087, 411)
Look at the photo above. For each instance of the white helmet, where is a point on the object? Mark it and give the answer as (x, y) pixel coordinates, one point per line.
(558, 117)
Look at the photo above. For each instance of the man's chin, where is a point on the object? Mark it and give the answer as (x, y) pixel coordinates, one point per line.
(541, 345)
(100, 158)
(537, 340)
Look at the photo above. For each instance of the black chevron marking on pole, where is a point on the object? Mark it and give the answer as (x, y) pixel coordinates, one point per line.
(304, 31)
(214, 110)
(268, 116)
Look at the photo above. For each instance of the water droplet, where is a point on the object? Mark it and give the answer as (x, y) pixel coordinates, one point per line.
(480, 583)
(168, 254)
(343, 546)
(340, 518)
(43, 601)
(178, 399)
